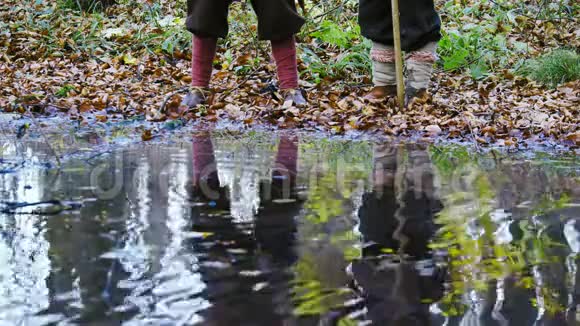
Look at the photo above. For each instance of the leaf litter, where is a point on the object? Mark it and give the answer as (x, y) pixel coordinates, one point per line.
(502, 109)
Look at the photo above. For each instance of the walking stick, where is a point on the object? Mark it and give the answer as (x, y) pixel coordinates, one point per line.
(398, 54)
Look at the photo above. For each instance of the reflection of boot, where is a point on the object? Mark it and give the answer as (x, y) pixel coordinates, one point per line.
(397, 291)
(285, 169)
(205, 187)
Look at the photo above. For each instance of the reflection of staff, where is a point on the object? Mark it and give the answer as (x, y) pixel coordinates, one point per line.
(398, 53)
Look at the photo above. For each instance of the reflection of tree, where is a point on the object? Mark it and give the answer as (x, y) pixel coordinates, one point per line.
(504, 240)
(82, 285)
(153, 245)
(24, 260)
(241, 167)
(126, 254)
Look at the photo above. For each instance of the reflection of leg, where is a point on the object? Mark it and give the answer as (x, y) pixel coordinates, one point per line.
(515, 305)
(275, 226)
(550, 293)
(206, 185)
(385, 166)
(285, 169)
(376, 215)
(395, 291)
(417, 205)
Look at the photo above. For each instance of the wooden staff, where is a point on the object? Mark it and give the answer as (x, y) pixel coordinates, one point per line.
(398, 53)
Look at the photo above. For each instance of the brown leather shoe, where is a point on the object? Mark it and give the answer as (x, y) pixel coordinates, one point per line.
(293, 97)
(379, 93)
(413, 94)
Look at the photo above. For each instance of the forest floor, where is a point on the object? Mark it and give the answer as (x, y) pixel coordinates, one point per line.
(132, 60)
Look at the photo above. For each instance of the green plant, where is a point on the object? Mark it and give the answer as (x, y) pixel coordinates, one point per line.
(477, 49)
(335, 34)
(64, 90)
(553, 68)
(85, 5)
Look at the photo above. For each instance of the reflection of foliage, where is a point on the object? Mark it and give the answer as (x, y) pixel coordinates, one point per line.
(448, 159)
(347, 322)
(321, 205)
(472, 258)
(548, 202)
(469, 232)
(311, 295)
(336, 166)
(337, 171)
(334, 151)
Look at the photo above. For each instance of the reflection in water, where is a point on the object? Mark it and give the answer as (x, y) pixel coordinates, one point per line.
(260, 231)
(24, 261)
(397, 276)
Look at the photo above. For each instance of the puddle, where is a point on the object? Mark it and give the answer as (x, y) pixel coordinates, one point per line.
(276, 229)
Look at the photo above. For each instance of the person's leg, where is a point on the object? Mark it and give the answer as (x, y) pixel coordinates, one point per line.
(208, 18)
(278, 21)
(384, 72)
(420, 67)
(284, 53)
(203, 53)
(207, 21)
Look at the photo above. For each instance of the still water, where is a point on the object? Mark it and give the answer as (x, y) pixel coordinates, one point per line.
(279, 229)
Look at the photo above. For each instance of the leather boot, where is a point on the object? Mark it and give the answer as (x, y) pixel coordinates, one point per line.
(379, 93)
(196, 96)
(413, 94)
(294, 97)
